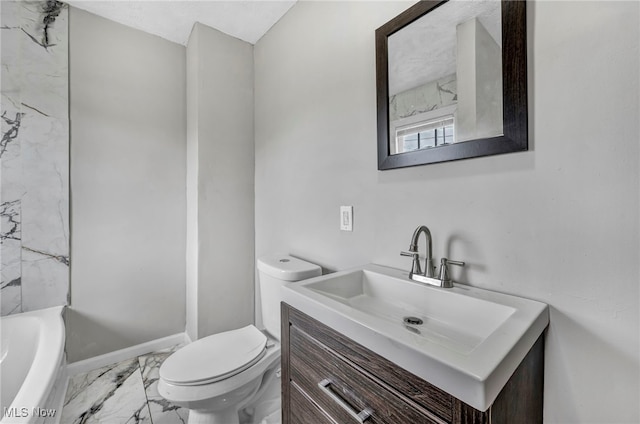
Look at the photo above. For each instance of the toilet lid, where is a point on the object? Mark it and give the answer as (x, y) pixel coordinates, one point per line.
(215, 357)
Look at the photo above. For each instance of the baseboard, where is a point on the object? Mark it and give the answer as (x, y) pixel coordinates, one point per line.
(96, 362)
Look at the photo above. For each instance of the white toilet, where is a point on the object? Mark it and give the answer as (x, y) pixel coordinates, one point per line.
(218, 376)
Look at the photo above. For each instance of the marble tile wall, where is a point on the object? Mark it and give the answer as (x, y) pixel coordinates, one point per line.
(34, 156)
(424, 98)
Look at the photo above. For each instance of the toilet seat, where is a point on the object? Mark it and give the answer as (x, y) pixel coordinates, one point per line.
(215, 358)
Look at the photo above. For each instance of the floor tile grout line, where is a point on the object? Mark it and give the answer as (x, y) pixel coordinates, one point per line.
(144, 389)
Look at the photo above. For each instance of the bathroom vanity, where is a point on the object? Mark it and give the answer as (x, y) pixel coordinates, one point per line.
(371, 345)
(328, 378)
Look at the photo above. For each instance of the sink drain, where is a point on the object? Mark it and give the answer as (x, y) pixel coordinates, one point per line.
(412, 321)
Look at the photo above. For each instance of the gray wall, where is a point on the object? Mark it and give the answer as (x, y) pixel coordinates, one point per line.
(220, 182)
(128, 207)
(558, 223)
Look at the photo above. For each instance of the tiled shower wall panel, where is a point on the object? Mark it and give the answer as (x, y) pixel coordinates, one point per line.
(34, 156)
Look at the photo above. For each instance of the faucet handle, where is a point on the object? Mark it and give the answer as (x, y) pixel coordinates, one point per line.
(410, 253)
(449, 261)
(444, 271)
(415, 266)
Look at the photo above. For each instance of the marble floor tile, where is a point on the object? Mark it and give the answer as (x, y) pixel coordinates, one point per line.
(127, 393)
(162, 412)
(109, 395)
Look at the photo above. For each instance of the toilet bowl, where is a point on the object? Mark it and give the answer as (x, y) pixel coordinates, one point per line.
(219, 376)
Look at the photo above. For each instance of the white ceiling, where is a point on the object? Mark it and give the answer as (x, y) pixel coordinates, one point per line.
(173, 19)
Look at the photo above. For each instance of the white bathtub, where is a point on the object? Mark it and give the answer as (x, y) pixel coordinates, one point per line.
(31, 361)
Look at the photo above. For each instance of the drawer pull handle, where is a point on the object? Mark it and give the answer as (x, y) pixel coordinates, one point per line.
(361, 416)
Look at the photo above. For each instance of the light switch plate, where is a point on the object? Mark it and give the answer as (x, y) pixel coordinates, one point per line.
(346, 218)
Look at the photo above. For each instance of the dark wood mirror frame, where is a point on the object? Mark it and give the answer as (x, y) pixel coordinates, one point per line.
(514, 83)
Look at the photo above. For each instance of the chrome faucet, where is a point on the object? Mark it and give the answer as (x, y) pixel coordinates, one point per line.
(413, 252)
(428, 277)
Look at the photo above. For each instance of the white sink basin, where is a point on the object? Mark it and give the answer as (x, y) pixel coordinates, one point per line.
(470, 340)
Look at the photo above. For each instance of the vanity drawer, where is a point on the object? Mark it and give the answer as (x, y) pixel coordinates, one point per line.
(397, 380)
(343, 392)
(303, 410)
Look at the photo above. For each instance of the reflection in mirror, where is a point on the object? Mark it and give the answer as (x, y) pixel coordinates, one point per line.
(445, 77)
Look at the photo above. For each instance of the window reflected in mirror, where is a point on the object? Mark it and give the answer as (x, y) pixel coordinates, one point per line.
(424, 131)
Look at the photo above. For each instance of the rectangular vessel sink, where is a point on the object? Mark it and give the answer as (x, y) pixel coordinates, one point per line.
(459, 323)
(466, 341)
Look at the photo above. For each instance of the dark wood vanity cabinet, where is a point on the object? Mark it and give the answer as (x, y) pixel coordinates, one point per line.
(328, 378)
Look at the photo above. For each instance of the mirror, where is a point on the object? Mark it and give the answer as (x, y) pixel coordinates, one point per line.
(451, 82)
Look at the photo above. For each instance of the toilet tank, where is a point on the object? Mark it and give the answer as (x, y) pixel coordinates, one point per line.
(274, 271)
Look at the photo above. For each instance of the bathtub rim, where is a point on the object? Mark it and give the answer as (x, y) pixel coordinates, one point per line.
(46, 362)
